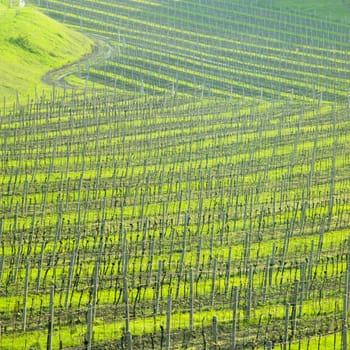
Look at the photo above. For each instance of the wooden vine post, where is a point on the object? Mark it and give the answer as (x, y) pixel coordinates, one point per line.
(51, 319)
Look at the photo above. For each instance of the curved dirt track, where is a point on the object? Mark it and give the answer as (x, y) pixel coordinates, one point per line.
(101, 52)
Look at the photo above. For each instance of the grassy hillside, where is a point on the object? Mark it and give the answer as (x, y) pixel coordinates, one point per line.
(32, 44)
(328, 9)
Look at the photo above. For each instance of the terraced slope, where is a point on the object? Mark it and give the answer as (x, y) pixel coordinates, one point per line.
(220, 48)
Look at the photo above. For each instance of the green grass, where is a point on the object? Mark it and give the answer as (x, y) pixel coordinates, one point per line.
(327, 9)
(245, 189)
(132, 130)
(31, 44)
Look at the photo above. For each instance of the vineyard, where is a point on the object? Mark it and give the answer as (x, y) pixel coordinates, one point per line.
(184, 187)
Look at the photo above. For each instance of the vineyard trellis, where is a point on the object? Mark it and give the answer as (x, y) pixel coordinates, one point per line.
(197, 197)
(214, 221)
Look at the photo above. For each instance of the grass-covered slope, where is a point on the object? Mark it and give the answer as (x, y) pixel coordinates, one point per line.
(328, 9)
(32, 44)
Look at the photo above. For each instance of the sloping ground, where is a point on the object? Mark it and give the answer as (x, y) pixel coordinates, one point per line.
(221, 48)
(182, 197)
(59, 77)
(185, 221)
(31, 44)
(328, 9)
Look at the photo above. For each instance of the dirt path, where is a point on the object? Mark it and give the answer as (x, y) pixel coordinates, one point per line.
(101, 52)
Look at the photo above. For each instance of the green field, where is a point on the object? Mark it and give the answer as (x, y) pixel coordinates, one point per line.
(32, 44)
(186, 186)
(336, 10)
